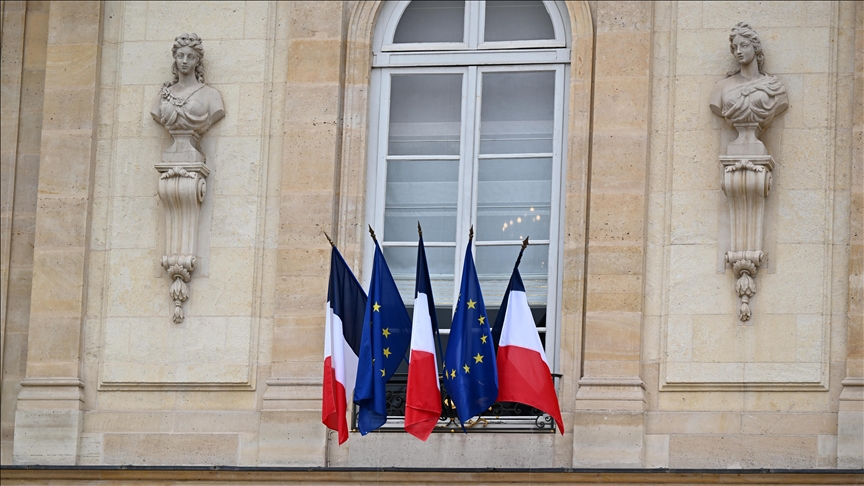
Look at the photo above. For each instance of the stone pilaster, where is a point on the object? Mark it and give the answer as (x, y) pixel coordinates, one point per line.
(610, 400)
(850, 416)
(49, 413)
(291, 429)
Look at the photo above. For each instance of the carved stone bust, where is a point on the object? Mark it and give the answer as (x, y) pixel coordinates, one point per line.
(748, 98)
(186, 106)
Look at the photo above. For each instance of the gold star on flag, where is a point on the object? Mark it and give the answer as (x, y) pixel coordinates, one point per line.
(387, 352)
(452, 373)
(386, 332)
(466, 368)
(482, 320)
(471, 304)
(375, 307)
(478, 358)
(483, 338)
(382, 372)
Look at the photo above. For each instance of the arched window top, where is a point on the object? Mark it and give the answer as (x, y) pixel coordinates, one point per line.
(448, 25)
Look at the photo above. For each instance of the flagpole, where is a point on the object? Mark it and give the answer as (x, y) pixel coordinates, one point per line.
(524, 245)
(328, 239)
(437, 329)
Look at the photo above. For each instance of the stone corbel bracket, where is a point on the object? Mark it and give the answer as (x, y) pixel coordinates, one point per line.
(746, 183)
(181, 189)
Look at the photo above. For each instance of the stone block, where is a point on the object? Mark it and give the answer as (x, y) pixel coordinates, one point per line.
(802, 217)
(692, 271)
(717, 339)
(222, 20)
(58, 281)
(622, 215)
(789, 423)
(76, 23)
(133, 220)
(797, 287)
(140, 421)
(628, 16)
(695, 217)
(618, 161)
(171, 449)
(461, 450)
(62, 222)
(695, 165)
(621, 53)
(312, 20)
(313, 61)
(802, 164)
(69, 109)
(131, 288)
(71, 65)
(850, 439)
(746, 452)
(235, 222)
(65, 163)
(620, 102)
(609, 440)
(292, 438)
(656, 450)
(676, 423)
(612, 336)
(47, 437)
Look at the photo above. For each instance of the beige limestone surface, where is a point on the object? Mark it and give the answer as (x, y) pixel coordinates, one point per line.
(657, 369)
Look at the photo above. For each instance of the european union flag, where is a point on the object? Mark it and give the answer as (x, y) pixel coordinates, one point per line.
(386, 336)
(470, 372)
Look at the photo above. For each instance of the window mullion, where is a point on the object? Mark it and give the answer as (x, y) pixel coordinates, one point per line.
(466, 173)
(474, 13)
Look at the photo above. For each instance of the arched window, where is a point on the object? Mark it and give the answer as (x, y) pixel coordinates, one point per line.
(467, 126)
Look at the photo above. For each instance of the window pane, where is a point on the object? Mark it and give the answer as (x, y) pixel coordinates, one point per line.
(517, 20)
(514, 199)
(495, 264)
(402, 262)
(517, 112)
(425, 114)
(431, 21)
(424, 191)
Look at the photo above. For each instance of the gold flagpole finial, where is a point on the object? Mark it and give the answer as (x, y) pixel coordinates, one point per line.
(471, 233)
(419, 229)
(328, 239)
(525, 243)
(372, 232)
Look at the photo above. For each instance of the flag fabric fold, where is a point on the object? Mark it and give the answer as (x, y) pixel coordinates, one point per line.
(471, 376)
(423, 396)
(346, 303)
(384, 341)
(524, 375)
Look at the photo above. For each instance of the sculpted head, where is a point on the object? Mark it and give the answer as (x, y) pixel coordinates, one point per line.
(188, 53)
(744, 44)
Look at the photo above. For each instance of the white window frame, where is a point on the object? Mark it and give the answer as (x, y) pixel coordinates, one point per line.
(472, 58)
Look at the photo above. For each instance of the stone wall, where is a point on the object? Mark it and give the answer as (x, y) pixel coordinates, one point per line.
(658, 371)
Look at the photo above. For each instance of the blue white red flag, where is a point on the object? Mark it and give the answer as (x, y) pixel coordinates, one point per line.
(523, 372)
(346, 303)
(423, 396)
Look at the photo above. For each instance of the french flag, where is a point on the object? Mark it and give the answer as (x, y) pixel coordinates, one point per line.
(423, 397)
(523, 372)
(346, 304)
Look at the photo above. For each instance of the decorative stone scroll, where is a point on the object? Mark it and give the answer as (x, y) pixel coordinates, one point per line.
(187, 108)
(748, 99)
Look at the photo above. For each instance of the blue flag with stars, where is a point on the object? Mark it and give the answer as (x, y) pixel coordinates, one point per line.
(470, 373)
(383, 343)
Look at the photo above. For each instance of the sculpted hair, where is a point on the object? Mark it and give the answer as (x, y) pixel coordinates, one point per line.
(746, 31)
(193, 41)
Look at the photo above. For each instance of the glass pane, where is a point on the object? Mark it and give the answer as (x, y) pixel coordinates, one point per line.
(425, 114)
(495, 264)
(517, 112)
(514, 199)
(431, 21)
(517, 20)
(424, 191)
(403, 265)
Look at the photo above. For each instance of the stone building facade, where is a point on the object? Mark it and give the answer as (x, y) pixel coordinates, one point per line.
(657, 368)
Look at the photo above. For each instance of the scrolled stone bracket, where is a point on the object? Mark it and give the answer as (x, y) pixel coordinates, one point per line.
(746, 183)
(181, 190)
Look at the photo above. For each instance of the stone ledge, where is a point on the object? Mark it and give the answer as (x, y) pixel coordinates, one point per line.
(253, 475)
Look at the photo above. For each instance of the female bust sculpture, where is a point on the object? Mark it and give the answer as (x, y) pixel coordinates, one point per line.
(748, 98)
(187, 107)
